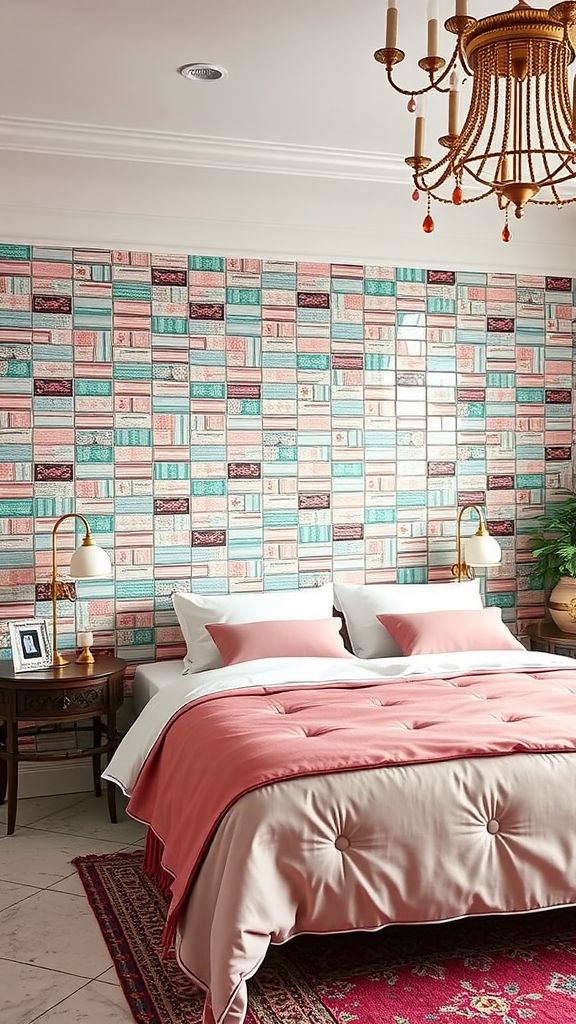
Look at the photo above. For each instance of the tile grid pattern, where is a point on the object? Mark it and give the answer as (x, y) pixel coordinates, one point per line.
(240, 424)
(54, 964)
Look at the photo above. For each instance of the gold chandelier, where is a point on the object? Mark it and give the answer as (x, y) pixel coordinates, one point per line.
(518, 138)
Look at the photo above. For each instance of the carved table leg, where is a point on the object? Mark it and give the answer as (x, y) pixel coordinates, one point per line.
(97, 740)
(12, 773)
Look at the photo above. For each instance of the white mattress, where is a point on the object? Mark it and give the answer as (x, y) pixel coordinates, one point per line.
(150, 679)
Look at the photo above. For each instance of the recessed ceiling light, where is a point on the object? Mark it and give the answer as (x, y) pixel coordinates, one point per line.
(203, 72)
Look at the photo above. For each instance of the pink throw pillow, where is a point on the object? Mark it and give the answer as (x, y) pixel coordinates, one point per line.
(445, 632)
(296, 638)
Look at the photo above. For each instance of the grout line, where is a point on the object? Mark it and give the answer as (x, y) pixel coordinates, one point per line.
(76, 835)
(53, 970)
(60, 1001)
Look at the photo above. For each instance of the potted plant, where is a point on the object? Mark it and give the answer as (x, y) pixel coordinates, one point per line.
(554, 551)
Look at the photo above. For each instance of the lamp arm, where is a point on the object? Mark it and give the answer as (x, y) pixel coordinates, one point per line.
(57, 659)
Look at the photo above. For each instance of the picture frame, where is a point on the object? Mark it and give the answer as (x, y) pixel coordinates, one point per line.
(30, 644)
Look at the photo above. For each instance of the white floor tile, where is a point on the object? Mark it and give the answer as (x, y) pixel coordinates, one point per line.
(96, 1003)
(54, 930)
(110, 977)
(90, 819)
(13, 892)
(71, 884)
(136, 846)
(40, 858)
(29, 991)
(38, 807)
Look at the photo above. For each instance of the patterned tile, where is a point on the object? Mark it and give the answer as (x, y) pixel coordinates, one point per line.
(230, 424)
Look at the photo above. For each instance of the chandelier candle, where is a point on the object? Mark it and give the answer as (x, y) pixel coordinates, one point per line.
(433, 46)
(453, 101)
(392, 23)
(461, 8)
(419, 129)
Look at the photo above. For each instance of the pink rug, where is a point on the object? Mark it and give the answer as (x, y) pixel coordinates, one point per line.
(490, 970)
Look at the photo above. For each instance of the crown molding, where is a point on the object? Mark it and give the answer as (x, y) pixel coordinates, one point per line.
(62, 138)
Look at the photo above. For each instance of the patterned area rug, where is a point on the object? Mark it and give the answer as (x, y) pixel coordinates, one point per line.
(489, 971)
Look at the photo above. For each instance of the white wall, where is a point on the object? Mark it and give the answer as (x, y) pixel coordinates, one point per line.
(54, 199)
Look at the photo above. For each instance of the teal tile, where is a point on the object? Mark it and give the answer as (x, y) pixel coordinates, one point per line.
(313, 361)
(202, 390)
(135, 438)
(243, 296)
(501, 600)
(171, 471)
(208, 488)
(527, 396)
(94, 453)
(138, 291)
(16, 508)
(15, 252)
(348, 469)
(415, 575)
(379, 287)
(379, 515)
(169, 325)
(411, 275)
(210, 263)
(92, 388)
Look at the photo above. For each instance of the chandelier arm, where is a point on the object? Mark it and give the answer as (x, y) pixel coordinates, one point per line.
(506, 129)
(550, 202)
(552, 124)
(551, 115)
(473, 126)
(445, 162)
(465, 202)
(434, 83)
(529, 108)
(494, 123)
(566, 108)
(420, 178)
(462, 57)
(564, 114)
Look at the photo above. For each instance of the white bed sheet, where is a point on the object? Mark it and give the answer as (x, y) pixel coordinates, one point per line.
(150, 679)
(177, 691)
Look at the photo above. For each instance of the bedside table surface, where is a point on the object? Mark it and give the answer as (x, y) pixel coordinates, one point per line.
(68, 674)
(548, 630)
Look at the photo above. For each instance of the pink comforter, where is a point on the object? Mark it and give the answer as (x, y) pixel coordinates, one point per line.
(220, 747)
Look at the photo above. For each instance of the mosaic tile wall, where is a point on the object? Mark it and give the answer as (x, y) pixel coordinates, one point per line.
(233, 424)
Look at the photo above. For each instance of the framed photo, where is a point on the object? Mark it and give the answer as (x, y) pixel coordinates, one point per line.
(30, 644)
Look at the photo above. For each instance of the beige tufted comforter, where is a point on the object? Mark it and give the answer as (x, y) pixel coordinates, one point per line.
(471, 830)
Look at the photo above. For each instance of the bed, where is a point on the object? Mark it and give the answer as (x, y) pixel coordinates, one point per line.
(300, 793)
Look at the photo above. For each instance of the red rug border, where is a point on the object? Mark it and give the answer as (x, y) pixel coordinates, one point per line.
(132, 982)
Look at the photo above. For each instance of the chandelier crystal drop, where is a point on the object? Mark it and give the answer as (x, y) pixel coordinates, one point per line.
(517, 140)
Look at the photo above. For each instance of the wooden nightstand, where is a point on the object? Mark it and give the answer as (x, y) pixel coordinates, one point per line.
(73, 693)
(547, 636)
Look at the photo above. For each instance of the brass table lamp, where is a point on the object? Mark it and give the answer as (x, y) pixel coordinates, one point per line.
(89, 561)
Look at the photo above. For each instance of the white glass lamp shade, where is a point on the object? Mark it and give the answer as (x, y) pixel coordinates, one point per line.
(482, 549)
(90, 561)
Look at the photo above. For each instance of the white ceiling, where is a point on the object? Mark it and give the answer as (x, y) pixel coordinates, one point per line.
(86, 87)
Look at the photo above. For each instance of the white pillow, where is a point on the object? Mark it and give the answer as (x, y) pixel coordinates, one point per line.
(195, 611)
(360, 605)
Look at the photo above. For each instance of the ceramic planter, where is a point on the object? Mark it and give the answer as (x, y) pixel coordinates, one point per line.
(562, 604)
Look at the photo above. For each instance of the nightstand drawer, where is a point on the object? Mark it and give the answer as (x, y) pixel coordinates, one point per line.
(65, 703)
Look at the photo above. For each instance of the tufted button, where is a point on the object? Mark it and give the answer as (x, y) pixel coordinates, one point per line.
(342, 843)
(493, 826)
